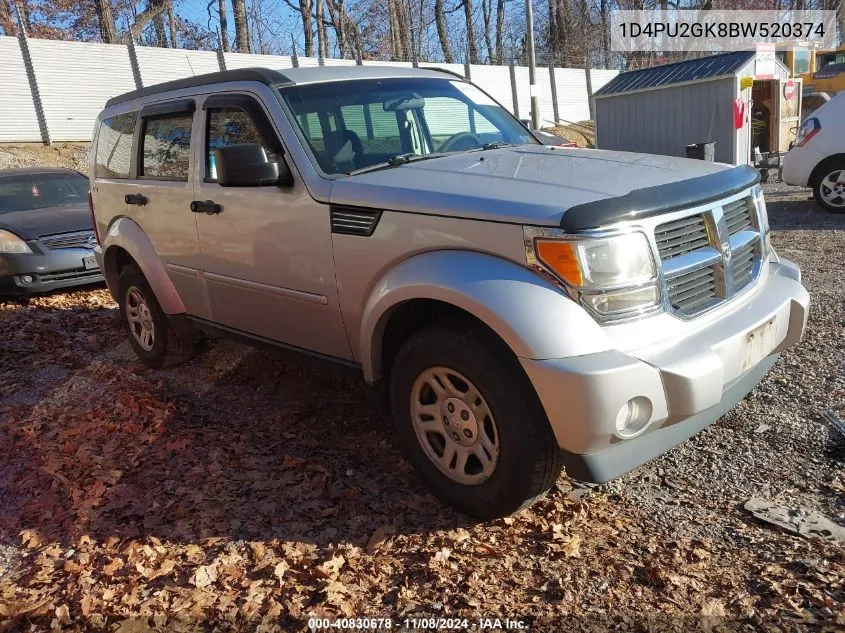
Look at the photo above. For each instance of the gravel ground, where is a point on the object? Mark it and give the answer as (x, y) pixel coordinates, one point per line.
(228, 454)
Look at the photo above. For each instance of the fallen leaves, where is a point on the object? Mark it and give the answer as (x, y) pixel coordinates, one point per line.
(204, 576)
(209, 494)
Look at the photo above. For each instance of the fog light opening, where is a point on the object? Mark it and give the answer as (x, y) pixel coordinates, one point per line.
(27, 279)
(633, 417)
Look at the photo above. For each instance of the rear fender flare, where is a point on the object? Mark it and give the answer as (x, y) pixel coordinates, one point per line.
(126, 234)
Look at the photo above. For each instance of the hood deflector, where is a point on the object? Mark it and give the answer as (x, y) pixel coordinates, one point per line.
(651, 201)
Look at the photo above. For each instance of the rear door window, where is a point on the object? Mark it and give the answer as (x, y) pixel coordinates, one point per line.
(166, 146)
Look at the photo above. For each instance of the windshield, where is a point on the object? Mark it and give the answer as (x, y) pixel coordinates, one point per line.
(19, 192)
(352, 125)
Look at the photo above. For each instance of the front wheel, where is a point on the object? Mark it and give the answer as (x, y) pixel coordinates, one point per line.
(470, 422)
(829, 188)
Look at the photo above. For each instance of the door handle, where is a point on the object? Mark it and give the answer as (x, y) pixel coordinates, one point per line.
(206, 206)
(136, 198)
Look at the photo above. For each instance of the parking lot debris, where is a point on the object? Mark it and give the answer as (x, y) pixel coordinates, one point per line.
(836, 443)
(802, 521)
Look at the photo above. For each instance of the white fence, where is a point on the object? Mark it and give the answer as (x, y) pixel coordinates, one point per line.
(74, 80)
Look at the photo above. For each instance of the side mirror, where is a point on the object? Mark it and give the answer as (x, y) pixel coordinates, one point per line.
(528, 124)
(247, 165)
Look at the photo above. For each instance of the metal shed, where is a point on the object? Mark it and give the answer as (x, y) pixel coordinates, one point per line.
(662, 109)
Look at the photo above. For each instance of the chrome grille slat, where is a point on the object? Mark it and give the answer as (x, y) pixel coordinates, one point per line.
(708, 256)
(682, 236)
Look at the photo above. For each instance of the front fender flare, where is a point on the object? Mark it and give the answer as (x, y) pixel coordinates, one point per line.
(126, 234)
(533, 317)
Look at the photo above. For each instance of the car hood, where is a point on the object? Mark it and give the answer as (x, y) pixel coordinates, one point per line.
(33, 223)
(523, 184)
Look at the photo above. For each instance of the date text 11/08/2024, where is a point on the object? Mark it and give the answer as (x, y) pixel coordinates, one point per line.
(424, 624)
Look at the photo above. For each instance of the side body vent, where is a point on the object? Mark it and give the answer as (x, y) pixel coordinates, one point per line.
(354, 220)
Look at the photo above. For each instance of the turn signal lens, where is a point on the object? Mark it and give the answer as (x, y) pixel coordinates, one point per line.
(560, 256)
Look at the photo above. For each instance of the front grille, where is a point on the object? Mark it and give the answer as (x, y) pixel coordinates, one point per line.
(738, 215)
(79, 273)
(681, 236)
(694, 291)
(709, 256)
(742, 267)
(79, 239)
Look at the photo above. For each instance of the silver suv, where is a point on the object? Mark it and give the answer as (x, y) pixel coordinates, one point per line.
(526, 307)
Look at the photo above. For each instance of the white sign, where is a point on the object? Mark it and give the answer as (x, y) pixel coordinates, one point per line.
(766, 62)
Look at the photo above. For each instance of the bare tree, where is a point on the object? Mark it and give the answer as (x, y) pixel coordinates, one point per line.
(472, 49)
(224, 23)
(155, 8)
(400, 34)
(500, 27)
(108, 31)
(158, 25)
(442, 33)
(241, 27)
(322, 36)
(171, 23)
(487, 17)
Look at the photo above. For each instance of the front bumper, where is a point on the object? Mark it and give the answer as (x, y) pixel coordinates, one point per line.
(49, 270)
(689, 382)
(798, 165)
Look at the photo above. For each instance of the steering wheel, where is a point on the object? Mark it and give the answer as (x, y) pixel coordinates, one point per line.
(460, 141)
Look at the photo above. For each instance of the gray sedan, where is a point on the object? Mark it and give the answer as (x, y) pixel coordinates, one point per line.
(46, 233)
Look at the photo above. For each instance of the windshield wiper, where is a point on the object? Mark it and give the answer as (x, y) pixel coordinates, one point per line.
(396, 161)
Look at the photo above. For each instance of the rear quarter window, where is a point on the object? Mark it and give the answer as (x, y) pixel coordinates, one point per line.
(114, 146)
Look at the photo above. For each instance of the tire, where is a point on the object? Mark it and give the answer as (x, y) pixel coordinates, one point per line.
(526, 455)
(168, 345)
(828, 180)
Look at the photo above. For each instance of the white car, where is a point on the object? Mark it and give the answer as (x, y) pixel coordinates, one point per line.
(817, 159)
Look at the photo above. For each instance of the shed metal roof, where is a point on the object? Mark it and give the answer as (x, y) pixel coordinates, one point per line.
(723, 64)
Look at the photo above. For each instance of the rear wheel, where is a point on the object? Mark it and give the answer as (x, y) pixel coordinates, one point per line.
(829, 187)
(470, 423)
(154, 336)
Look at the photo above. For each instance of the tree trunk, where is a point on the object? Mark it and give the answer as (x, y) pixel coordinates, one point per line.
(108, 31)
(171, 22)
(154, 9)
(487, 15)
(605, 35)
(322, 36)
(158, 25)
(224, 25)
(400, 35)
(553, 31)
(339, 19)
(500, 30)
(241, 29)
(472, 50)
(440, 18)
(307, 28)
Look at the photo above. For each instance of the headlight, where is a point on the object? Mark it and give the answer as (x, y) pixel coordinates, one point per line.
(612, 276)
(11, 243)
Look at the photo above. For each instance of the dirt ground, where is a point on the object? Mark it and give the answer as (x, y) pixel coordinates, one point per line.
(251, 490)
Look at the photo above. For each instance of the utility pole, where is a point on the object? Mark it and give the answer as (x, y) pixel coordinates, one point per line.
(532, 71)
